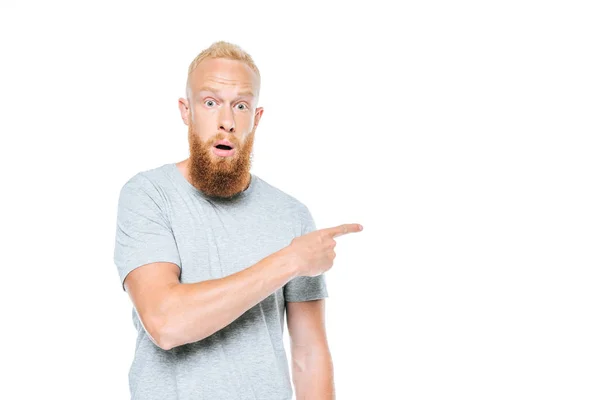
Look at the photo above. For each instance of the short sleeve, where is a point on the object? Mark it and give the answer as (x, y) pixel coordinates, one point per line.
(143, 233)
(305, 288)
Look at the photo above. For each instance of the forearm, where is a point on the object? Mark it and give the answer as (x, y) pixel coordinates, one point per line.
(312, 375)
(197, 310)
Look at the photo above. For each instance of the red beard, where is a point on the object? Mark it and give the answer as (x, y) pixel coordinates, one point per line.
(221, 177)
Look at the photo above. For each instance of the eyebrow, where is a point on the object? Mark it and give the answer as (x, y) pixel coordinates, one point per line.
(240, 94)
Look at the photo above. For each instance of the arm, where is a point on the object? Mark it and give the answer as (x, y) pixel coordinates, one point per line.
(312, 367)
(174, 314)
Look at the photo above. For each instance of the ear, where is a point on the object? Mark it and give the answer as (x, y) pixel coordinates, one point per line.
(184, 109)
(257, 116)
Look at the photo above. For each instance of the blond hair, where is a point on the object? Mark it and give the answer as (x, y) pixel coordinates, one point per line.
(222, 49)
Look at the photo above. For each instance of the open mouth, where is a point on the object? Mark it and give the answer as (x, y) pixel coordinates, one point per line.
(223, 150)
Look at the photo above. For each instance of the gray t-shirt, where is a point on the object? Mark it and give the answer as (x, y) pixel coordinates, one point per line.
(162, 217)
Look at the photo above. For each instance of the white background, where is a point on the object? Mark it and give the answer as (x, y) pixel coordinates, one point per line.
(462, 135)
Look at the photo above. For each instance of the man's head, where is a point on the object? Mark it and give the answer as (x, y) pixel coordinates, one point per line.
(221, 114)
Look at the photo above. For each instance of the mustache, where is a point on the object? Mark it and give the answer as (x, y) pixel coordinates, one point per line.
(214, 141)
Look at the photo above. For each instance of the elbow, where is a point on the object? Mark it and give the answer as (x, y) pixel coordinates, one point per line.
(167, 336)
(158, 330)
(165, 345)
(163, 341)
(168, 326)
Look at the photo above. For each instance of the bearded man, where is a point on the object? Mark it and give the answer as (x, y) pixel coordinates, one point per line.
(213, 257)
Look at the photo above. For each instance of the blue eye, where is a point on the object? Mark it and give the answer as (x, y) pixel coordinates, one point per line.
(207, 101)
(243, 106)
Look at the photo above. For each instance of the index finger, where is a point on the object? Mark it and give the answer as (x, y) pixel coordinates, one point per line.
(343, 229)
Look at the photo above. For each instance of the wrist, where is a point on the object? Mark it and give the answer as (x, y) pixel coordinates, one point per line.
(289, 262)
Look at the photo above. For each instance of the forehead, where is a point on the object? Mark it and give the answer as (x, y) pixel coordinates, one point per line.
(223, 74)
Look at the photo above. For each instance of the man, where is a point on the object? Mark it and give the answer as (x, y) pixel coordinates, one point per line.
(212, 257)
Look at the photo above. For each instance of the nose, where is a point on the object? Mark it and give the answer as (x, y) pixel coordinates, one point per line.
(226, 122)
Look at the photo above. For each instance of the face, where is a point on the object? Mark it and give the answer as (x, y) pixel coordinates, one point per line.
(221, 114)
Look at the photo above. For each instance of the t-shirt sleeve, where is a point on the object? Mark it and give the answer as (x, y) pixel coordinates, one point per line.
(305, 288)
(143, 233)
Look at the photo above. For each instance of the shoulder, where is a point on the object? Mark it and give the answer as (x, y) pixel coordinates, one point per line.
(282, 198)
(287, 203)
(146, 183)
